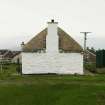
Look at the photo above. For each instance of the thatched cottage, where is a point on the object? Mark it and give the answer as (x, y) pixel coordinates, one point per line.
(52, 51)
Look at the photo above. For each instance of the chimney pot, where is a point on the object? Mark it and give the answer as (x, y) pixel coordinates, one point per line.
(52, 20)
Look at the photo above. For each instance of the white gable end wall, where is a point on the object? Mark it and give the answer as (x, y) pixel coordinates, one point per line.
(59, 63)
(52, 61)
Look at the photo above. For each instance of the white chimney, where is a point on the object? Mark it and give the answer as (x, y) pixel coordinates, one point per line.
(52, 41)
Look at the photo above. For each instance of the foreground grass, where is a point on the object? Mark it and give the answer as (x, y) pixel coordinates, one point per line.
(51, 90)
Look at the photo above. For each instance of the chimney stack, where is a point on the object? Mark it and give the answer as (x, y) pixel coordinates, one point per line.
(52, 37)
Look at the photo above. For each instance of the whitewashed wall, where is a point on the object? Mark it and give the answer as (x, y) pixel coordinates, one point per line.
(60, 63)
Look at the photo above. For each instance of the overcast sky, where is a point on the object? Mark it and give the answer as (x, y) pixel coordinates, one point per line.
(20, 20)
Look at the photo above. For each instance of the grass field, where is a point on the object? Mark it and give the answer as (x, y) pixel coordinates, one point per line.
(51, 89)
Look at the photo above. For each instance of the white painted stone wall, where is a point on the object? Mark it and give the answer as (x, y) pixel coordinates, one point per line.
(59, 63)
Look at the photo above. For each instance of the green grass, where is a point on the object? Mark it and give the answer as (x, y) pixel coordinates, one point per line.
(51, 89)
(8, 70)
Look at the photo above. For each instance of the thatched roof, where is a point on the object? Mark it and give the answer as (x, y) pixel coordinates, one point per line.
(66, 42)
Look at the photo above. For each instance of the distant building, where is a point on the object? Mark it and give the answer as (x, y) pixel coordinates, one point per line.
(91, 57)
(52, 51)
(6, 56)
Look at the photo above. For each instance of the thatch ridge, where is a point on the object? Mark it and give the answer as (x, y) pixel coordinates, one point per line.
(37, 42)
(66, 42)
